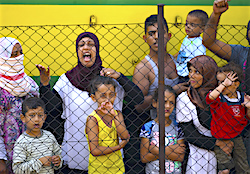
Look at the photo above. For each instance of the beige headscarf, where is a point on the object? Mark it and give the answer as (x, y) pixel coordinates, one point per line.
(12, 76)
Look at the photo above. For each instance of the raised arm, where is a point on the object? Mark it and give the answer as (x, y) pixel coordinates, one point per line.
(54, 105)
(134, 95)
(220, 48)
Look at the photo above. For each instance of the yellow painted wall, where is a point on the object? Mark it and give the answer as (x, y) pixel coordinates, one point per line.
(55, 47)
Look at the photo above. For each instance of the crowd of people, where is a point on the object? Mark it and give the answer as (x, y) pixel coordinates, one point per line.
(83, 123)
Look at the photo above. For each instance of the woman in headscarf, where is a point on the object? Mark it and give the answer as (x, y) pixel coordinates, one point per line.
(194, 117)
(15, 86)
(70, 98)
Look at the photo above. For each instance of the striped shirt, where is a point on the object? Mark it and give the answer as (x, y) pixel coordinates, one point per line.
(28, 150)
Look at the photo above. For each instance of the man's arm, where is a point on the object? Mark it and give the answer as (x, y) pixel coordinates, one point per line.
(140, 78)
(220, 48)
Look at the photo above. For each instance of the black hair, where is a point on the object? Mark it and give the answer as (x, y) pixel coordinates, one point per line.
(202, 15)
(151, 20)
(32, 103)
(231, 66)
(99, 80)
(166, 88)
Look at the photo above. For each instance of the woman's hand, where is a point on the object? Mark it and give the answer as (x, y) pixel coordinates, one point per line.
(110, 73)
(44, 74)
(225, 145)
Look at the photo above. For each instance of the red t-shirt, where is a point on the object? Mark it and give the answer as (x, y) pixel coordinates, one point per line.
(228, 117)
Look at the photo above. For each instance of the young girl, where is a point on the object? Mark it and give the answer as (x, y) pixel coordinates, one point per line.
(102, 127)
(174, 142)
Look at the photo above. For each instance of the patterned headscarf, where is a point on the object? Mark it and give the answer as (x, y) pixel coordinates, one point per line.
(207, 67)
(80, 76)
(12, 76)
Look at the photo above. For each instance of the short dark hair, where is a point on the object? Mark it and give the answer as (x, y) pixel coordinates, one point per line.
(99, 80)
(231, 66)
(151, 20)
(166, 88)
(32, 103)
(202, 15)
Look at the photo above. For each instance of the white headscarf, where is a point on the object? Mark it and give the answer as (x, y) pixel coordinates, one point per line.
(12, 76)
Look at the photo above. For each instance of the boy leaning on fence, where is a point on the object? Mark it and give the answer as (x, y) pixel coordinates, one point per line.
(229, 109)
(192, 44)
(36, 150)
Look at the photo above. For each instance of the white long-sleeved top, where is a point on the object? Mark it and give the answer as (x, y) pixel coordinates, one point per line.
(28, 150)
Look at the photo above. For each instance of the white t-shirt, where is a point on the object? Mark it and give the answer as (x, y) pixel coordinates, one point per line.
(199, 160)
(190, 48)
(77, 106)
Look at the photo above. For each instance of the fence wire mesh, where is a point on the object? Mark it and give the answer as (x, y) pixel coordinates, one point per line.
(122, 47)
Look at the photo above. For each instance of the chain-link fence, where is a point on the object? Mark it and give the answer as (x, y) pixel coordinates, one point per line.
(122, 47)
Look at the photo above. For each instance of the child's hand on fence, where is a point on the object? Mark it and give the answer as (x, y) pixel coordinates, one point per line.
(46, 160)
(108, 109)
(56, 160)
(231, 77)
(220, 6)
(44, 74)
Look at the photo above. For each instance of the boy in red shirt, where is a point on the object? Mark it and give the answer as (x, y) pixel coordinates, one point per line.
(229, 108)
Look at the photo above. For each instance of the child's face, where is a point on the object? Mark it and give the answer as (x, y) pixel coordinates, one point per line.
(104, 93)
(34, 119)
(169, 103)
(193, 26)
(229, 90)
(151, 37)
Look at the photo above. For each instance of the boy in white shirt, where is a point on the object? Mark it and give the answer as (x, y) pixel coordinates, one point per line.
(192, 44)
(36, 150)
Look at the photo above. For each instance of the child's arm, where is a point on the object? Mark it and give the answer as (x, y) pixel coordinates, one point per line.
(121, 127)
(56, 158)
(150, 152)
(146, 155)
(174, 152)
(93, 135)
(21, 165)
(227, 82)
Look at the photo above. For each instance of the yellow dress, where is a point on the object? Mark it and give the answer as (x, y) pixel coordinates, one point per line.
(111, 163)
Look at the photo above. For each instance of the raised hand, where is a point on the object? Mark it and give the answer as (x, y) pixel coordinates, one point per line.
(44, 74)
(220, 6)
(110, 73)
(231, 77)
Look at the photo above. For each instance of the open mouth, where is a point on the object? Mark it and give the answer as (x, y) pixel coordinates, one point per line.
(87, 57)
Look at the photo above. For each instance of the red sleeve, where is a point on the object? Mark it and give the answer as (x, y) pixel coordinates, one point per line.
(212, 103)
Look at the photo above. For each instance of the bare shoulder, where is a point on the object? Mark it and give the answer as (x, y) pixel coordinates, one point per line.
(143, 65)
